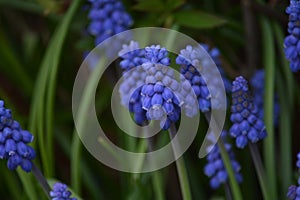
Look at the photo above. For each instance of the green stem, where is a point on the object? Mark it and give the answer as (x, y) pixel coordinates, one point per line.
(260, 171)
(285, 85)
(236, 192)
(158, 185)
(90, 87)
(41, 179)
(269, 142)
(28, 185)
(181, 170)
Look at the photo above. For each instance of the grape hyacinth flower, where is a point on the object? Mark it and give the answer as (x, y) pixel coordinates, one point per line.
(130, 89)
(247, 125)
(291, 42)
(158, 97)
(107, 18)
(14, 142)
(191, 59)
(215, 168)
(149, 84)
(293, 190)
(60, 192)
(257, 84)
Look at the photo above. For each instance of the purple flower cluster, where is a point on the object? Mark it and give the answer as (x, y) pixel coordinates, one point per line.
(258, 89)
(60, 192)
(215, 168)
(247, 125)
(14, 142)
(148, 84)
(189, 59)
(294, 191)
(291, 42)
(107, 18)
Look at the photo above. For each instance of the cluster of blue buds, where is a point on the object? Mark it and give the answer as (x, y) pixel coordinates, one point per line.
(189, 59)
(14, 142)
(149, 85)
(294, 191)
(247, 125)
(60, 192)
(291, 42)
(107, 18)
(258, 90)
(215, 168)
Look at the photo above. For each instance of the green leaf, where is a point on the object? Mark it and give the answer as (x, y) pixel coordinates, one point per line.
(153, 5)
(173, 4)
(198, 19)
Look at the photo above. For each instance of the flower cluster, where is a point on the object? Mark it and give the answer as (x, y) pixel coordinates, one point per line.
(193, 61)
(215, 168)
(291, 42)
(107, 18)
(60, 192)
(247, 126)
(14, 142)
(294, 191)
(190, 62)
(257, 84)
(149, 84)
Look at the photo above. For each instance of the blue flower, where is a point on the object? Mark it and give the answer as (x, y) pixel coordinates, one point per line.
(107, 18)
(60, 192)
(291, 42)
(215, 168)
(294, 191)
(257, 84)
(193, 61)
(148, 85)
(14, 142)
(189, 59)
(132, 56)
(298, 161)
(247, 125)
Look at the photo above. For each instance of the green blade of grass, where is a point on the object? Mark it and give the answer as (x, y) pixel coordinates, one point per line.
(269, 142)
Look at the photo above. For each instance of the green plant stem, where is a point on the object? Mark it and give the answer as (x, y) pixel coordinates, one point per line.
(41, 179)
(236, 192)
(90, 87)
(260, 171)
(28, 185)
(181, 170)
(269, 142)
(285, 85)
(158, 185)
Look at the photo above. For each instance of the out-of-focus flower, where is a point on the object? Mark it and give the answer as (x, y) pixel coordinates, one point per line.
(60, 192)
(258, 89)
(291, 42)
(107, 18)
(215, 168)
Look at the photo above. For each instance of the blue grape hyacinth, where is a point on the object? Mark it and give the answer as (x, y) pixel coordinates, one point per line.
(247, 125)
(215, 168)
(60, 192)
(258, 89)
(293, 190)
(291, 42)
(107, 18)
(191, 60)
(14, 142)
(148, 85)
